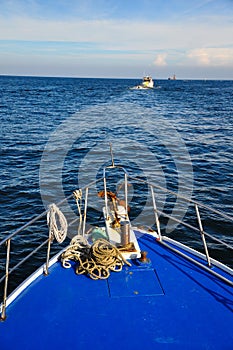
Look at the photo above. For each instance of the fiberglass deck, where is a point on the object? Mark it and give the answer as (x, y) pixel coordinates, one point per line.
(169, 303)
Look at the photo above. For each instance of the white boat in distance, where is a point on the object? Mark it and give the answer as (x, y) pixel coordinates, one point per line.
(147, 83)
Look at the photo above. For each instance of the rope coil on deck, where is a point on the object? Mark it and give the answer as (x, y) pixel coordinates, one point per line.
(57, 223)
(96, 260)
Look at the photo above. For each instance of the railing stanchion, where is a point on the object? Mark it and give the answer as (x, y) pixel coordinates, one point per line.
(156, 213)
(106, 198)
(202, 235)
(85, 211)
(3, 312)
(126, 195)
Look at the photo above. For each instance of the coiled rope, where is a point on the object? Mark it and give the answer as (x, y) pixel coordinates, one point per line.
(57, 223)
(96, 260)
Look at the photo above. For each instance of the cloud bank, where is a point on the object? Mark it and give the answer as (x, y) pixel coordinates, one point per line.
(204, 41)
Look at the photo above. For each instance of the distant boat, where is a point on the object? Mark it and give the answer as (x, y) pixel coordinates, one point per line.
(172, 78)
(147, 83)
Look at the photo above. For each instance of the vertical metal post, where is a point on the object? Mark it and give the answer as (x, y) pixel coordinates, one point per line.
(106, 198)
(3, 312)
(46, 269)
(85, 211)
(126, 196)
(202, 235)
(156, 213)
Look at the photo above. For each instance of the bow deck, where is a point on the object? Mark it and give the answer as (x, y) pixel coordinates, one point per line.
(140, 306)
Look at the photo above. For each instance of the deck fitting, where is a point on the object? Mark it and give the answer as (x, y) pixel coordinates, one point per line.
(144, 258)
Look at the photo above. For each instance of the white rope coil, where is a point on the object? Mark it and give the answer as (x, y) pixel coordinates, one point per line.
(73, 251)
(57, 223)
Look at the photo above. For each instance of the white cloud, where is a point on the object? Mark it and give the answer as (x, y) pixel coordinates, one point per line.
(118, 43)
(119, 35)
(211, 56)
(160, 60)
(199, 56)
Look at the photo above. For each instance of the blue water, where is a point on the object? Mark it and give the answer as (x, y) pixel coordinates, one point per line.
(180, 135)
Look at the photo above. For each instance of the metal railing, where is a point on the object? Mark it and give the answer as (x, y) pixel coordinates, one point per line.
(157, 213)
(7, 242)
(198, 229)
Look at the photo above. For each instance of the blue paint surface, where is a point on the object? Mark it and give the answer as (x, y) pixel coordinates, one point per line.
(168, 304)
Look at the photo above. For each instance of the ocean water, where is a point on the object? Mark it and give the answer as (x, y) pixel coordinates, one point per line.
(55, 135)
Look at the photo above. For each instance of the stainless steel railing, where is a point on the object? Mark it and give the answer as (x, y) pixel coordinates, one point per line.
(203, 234)
(8, 271)
(7, 241)
(158, 215)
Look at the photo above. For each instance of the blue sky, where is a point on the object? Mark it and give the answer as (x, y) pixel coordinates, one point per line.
(116, 38)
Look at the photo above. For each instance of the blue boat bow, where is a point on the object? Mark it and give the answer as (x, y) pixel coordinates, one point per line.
(159, 294)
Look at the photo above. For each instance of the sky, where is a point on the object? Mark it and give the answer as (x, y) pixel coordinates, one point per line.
(117, 38)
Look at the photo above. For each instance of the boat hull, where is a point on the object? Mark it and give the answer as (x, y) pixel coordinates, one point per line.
(165, 302)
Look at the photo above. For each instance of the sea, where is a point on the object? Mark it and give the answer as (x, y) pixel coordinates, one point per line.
(56, 135)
